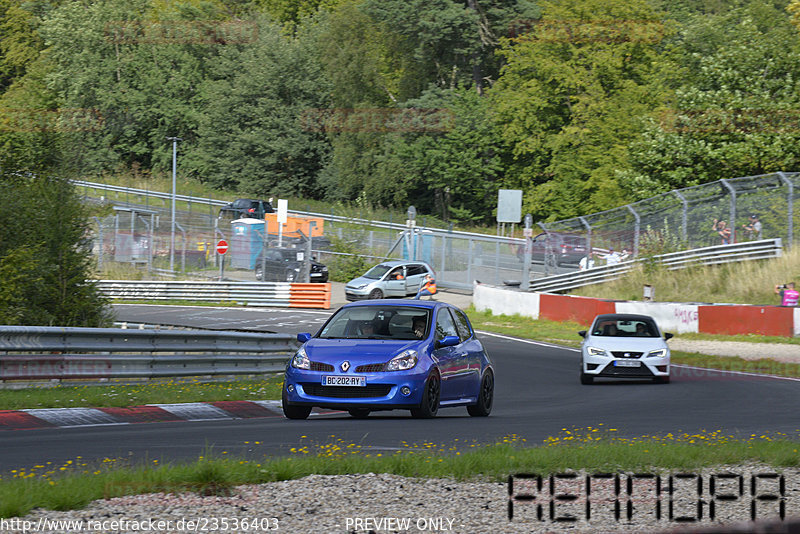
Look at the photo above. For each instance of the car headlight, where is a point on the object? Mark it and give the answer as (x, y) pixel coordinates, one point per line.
(594, 351)
(660, 353)
(300, 360)
(403, 361)
(362, 286)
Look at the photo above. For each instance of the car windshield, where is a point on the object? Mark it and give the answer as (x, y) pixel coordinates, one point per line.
(378, 322)
(377, 272)
(625, 328)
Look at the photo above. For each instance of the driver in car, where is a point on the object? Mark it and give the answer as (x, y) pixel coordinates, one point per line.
(418, 326)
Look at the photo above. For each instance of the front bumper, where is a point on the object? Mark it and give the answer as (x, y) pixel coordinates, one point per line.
(605, 366)
(382, 392)
(321, 277)
(356, 294)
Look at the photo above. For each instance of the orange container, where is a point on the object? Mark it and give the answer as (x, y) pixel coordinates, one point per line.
(294, 223)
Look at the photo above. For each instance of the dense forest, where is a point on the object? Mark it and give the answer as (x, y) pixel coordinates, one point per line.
(585, 105)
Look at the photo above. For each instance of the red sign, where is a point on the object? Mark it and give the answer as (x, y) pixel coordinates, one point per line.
(222, 246)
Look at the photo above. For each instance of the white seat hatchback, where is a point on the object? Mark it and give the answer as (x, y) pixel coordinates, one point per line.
(624, 346)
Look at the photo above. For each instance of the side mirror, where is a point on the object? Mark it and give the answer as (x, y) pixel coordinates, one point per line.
(447, 341)
(302, 338)
(667, 336)
(582, 333)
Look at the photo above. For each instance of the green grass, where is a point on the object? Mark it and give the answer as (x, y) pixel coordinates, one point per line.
(153, 392)
(76, 483)
(747, 282)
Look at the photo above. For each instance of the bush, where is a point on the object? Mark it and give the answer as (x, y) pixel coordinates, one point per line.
(45, 255)
(345, 268)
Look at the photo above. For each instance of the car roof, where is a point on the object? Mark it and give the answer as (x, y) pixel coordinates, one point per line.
(428, 304)
(395, 263)
(623, 317)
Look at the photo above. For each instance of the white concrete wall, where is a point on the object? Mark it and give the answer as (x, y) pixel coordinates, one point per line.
(797, 322)
(671, 316)
(505, 301)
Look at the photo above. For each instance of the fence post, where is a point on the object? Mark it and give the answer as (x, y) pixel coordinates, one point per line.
(525, 285)
(100, 248)
(684, 215)
(636, 229)
(497, 262)
(183, 252)
(790, 209)
(444, 251)
(547, 250)
(469, 262)
(732, 223)
(588, 235)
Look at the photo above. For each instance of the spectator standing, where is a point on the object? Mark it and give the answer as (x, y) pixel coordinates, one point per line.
(789, 295)
(587, 262)
(612, 258)
(721, 227)
(753, 229)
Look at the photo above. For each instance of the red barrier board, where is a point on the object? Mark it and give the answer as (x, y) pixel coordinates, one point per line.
(578, 309)
(732, 320)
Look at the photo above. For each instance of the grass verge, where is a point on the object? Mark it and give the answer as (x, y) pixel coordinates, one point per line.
(154, 392)
(76, 483)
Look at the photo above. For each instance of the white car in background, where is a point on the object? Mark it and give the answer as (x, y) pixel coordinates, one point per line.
(396, 278)
(624, 346)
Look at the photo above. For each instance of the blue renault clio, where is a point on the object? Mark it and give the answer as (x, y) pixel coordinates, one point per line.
(390, 354)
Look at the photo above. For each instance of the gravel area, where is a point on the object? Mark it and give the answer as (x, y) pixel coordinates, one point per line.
(381, 503)
(782, 352)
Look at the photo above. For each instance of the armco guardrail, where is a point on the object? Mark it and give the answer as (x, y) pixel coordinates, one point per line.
(276, 294)
(750, 250)
(48, 353)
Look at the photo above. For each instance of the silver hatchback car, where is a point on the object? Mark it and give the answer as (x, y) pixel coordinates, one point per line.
(389, 279)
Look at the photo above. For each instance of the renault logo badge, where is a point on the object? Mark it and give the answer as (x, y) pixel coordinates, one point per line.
(627, 354)
(345, 366)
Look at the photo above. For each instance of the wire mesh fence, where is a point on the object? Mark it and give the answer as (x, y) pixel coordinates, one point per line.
(140, 233)
(721, 212)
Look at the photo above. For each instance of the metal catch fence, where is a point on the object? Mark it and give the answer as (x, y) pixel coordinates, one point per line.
(719, 254)
(138, 232)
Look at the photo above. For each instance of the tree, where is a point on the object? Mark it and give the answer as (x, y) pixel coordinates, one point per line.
(20, 43)
(258, 128)
(448, 163)
(569, 100)
(47, 266)
(735, 110)
(386, 58)
(137, 65)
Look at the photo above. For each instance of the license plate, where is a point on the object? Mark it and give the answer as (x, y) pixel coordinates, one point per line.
(316, 274)
(627, 363)
(344, 380)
